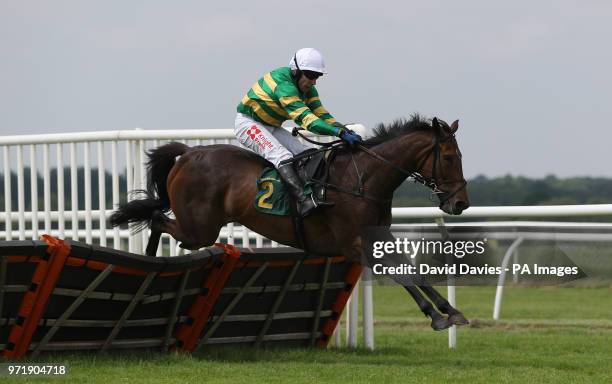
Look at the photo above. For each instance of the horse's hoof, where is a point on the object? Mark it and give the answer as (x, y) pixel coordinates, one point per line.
(439, 323)
(458, 319)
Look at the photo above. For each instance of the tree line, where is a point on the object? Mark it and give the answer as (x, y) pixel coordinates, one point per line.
(519, 190)
(67, 198)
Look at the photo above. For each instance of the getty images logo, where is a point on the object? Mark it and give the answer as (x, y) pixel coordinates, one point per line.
(413, 247)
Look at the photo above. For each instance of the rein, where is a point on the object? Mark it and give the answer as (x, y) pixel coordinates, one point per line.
(296, 132)
(430, 183)
(330, 146)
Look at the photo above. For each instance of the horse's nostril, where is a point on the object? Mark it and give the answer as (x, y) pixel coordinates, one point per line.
(460, 206)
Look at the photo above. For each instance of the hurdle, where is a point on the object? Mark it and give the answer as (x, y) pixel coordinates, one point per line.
(58, 295)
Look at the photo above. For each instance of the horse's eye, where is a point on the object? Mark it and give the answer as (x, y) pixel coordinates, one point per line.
(448, 158)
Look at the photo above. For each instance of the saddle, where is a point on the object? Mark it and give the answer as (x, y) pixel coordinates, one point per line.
(312, 166)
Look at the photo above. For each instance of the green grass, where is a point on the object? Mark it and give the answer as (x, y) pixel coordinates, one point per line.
(519, 303)
(549, 335)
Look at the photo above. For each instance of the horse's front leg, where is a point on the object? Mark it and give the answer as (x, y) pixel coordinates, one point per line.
(455, 316)
(360, 249)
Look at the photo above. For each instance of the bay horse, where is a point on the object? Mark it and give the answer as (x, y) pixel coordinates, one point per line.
(210, 186)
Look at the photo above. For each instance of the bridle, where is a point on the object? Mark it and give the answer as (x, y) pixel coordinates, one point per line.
(430, 182)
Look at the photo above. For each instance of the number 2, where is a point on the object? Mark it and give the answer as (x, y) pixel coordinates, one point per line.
(269, 187)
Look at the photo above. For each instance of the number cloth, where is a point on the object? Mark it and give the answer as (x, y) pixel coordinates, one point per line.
(272, 197)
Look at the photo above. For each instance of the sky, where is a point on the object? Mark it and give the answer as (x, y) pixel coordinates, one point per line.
(529, 81)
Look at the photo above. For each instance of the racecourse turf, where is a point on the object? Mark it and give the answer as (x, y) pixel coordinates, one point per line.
(545, 335)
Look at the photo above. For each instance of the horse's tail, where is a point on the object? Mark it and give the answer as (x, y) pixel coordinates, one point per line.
(154, 199)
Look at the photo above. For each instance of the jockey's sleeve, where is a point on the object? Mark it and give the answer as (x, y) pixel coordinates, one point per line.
(300, 112)
(314, 103)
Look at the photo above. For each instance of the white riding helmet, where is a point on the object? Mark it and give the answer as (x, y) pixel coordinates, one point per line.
(308, 59)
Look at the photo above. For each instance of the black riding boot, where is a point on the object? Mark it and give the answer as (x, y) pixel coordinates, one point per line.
(306, 203)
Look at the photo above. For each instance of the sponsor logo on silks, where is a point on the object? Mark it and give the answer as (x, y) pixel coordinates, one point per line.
(253, 131)
(258, 137)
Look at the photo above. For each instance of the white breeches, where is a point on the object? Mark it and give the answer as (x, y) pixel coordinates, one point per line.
(273, 143)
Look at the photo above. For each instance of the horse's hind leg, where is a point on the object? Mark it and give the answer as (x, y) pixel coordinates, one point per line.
(161, 223)
(153, 243)
(156, 231)
(196, 228)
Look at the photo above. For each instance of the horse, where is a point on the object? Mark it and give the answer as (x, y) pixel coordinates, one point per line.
(209, 186)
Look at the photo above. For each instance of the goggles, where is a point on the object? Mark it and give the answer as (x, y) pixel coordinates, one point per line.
(312, 75)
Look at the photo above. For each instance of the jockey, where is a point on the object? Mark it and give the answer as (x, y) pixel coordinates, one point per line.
(288, 93)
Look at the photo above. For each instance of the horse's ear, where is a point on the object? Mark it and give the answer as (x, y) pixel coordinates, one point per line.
(454, 126)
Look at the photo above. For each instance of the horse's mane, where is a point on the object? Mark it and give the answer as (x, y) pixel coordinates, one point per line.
(399, 127)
